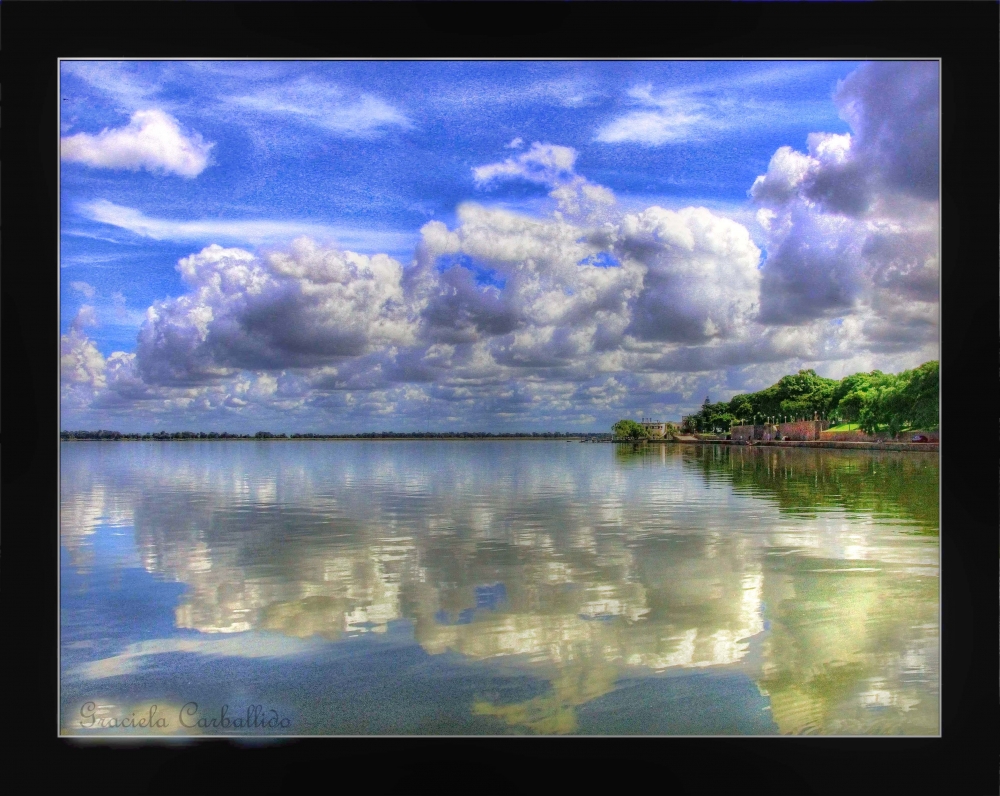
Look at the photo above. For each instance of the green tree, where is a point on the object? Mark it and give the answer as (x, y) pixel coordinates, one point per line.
(920, 396)
(629, 429)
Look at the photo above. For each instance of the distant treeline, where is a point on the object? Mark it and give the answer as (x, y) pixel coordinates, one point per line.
(164, 435)
(876, 401)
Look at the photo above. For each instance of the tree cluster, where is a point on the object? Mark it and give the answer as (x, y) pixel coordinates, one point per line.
(629, 429)
(876, 401)
(158, 435)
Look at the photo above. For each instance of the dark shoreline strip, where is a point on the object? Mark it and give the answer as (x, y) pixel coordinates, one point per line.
(925, 447)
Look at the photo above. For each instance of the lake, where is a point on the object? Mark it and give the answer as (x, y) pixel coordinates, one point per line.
(497, 587)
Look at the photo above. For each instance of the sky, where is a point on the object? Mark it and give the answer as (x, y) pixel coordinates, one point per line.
(352, 246)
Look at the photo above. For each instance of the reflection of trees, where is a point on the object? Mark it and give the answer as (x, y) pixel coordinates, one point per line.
(568, 569)
(850, 652)
(885, 484)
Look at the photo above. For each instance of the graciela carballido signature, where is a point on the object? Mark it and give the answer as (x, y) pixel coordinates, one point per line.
(256, 717)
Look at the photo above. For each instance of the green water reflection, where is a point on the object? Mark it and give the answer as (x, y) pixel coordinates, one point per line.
(813, 573)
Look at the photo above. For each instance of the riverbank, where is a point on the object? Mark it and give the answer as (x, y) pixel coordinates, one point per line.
(923, 447)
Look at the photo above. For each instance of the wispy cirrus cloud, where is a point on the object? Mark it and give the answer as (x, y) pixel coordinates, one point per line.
(702, 110)
(669, 117)
(123, 82)
(253, 231)
(323, 105)
(566, 92)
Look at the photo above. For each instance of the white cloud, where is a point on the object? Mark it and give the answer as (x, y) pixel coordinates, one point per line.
(544, 164)
(253, 231)
(517, 143)
(570, 92)
(80, 361)
(324, 105)
(851, 226)
(509, 318)
(702, 280)
(701, 111)
(85, 316)
(301, 308)
(552, 166)
(787, 171)
(315, 329)
(674, 118)
(152, 140)
(84, 288)
(122, 81)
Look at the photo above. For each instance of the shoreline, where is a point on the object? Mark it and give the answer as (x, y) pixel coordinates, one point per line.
(919, 447)
(924, 447)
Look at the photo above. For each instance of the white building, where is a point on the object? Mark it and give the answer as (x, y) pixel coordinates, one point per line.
(653, 427)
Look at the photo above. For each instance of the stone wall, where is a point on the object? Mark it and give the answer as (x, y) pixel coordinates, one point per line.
(759, 432)
(742, 433)
(857, 435)
(802, 429)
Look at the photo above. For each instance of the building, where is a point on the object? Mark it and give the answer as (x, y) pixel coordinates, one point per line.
(653, 427)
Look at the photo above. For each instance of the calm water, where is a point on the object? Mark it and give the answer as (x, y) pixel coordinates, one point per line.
(498, 588)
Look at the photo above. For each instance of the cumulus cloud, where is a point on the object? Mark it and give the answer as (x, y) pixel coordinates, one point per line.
(516, 143)
(893, 108)
(153, 140)
(503, 316)
(553, 167)
(547, 282)
(851, 224)
(299, 308)
(701, 281)
(324, 105)
(543, 164)
(588, 312)
(81, 362)
(85, 316)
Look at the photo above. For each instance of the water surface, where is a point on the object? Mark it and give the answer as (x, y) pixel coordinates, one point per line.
(509, 587)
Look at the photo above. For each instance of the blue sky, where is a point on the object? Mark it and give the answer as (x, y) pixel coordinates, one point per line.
(487, 245)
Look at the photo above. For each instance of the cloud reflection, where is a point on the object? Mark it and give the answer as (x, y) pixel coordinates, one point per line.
(578, 563)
